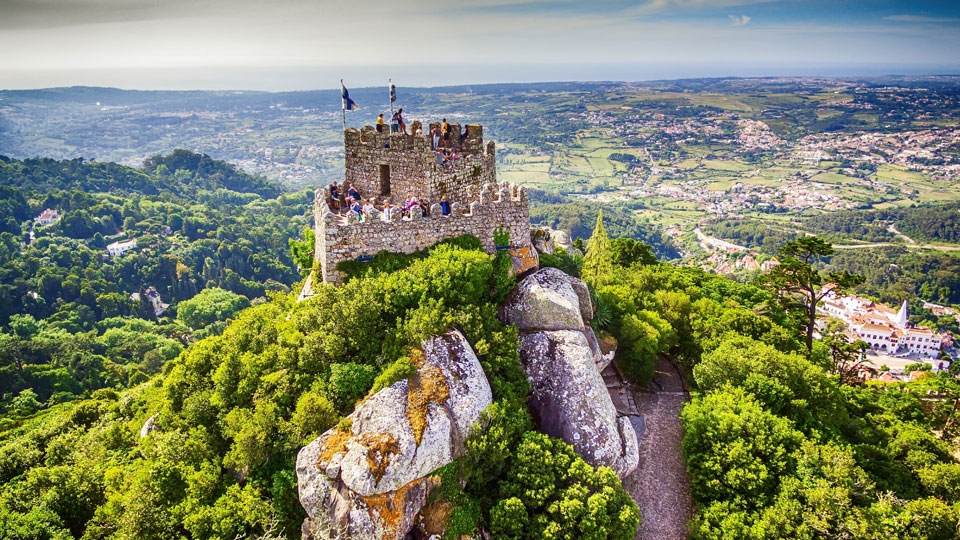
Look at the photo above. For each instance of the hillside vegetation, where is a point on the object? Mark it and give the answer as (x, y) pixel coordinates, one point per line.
(74, 320)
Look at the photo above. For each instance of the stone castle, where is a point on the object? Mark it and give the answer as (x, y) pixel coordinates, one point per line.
(388, 167)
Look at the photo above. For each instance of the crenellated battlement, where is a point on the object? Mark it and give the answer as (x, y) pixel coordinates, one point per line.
(393, 165)
(345, 238)
(389, 167)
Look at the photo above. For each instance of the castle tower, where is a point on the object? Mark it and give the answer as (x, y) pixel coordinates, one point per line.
(391, 166)
(388, 167)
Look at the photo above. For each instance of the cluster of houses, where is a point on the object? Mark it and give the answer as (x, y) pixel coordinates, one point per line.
(884, 329)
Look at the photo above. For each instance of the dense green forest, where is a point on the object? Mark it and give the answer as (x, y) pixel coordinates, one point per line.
(779, 441)
(238, 376)
(929, 223)
(777, 446)
(74, 319)
(577, 217)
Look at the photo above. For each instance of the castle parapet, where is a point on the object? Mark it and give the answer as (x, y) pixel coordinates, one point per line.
(394, 165)
(344, 238)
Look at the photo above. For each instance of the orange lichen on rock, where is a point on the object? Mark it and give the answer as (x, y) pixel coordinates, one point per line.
(426, 386)
(432, 518)
(524, 260)
(389, 508)
(380, 446)
(334, 444)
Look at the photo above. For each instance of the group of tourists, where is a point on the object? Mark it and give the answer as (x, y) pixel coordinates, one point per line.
(446, 157)
(440, 135)
(364, 209)
(397, 125)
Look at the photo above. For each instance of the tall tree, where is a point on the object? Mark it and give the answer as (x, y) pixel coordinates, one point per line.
(598, 261)
(800, 286)
(846, 357)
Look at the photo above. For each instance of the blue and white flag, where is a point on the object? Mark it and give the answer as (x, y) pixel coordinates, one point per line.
(348, 104)
(393, 92)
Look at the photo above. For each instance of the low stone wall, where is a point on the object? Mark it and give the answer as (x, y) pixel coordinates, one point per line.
(342, 238)
(396, 165)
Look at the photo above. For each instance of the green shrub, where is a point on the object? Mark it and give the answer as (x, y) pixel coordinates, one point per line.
(570, 265)
(735, 450)
(550, 492)
(402, 368)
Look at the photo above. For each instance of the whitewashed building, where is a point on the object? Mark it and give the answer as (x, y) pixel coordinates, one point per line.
(47, 217)
(881, 327)
(119, 248)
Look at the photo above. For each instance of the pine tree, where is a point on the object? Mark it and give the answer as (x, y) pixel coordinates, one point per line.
(598, 261)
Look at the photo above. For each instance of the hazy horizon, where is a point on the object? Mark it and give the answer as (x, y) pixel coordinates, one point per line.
(297, 45)
(318, 78)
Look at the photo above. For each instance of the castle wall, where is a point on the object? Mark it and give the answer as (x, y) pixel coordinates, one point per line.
(413, 166)
(341, 238)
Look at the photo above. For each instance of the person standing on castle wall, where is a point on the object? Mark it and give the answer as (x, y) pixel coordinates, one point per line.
(335, 194)
(446, 133)
(395, 122)
(355, 207)
(403, 126)
(435, 136)
(368, 208)
(380, 123)
(444, 206)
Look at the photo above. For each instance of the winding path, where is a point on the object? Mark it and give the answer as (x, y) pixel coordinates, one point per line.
(660, 485)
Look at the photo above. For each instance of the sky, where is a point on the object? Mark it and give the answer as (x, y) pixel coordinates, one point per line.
(310, 44)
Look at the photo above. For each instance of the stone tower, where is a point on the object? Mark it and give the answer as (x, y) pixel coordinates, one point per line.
(393, 165)
(389, 167)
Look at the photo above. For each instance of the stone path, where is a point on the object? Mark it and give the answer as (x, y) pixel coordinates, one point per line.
(660, 484)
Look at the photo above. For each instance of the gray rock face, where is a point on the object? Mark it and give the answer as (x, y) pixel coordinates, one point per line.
(570, 400)
(544, 300)
(371, 482)
(562, 359)
(542, 240)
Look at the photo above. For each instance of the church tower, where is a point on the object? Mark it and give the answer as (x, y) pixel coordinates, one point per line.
(902, 316)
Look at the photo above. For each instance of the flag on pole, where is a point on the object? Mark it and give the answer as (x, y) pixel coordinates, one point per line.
(393, 92)
(348, 104)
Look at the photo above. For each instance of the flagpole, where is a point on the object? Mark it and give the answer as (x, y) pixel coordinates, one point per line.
(343, 108)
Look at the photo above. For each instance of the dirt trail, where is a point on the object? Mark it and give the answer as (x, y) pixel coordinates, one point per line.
(893, 228)
(660, 484)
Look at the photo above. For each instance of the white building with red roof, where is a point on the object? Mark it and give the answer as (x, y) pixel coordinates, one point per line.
(883, 328)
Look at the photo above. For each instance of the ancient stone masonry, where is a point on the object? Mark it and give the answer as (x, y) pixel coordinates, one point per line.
(389, 167)
(397, 165)
(343, 238)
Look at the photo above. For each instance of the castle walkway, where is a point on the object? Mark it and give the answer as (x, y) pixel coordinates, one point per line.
(660, 484)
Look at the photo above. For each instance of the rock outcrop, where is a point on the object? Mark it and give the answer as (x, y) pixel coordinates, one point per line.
(547, 240)
(561, 355)
(525, 260)
(370, 481)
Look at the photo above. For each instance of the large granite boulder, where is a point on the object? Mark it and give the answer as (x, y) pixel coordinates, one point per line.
(371, 480)
(561, 239)
(544, 300)
(562, 358)
(542, 241)
(570, 401)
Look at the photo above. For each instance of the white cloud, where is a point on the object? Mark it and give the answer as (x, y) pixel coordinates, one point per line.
(921, 19)
(739, 20)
